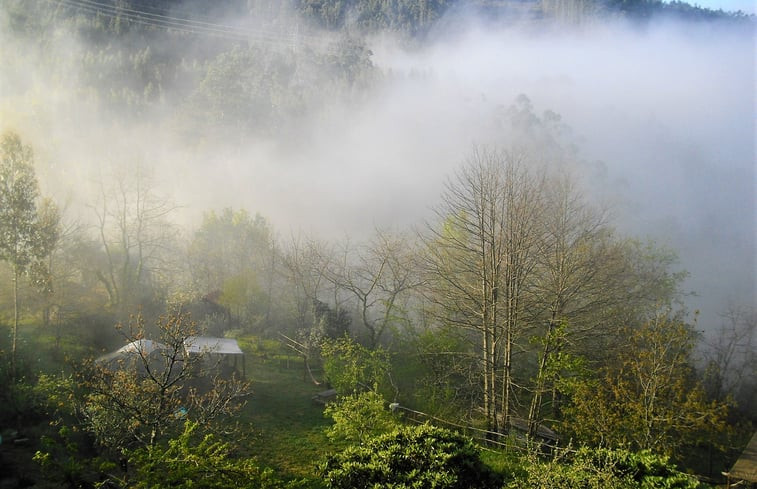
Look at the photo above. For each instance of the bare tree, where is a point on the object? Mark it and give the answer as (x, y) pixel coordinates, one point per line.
(136, 236)
(479, 259)
(306, 264)
(378, 275)
(135, 399)
(578, 280)
(731, 356)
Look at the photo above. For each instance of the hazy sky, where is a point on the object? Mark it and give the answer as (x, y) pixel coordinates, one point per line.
(746, 6)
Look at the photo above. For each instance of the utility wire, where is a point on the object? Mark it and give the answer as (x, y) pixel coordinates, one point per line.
(184, 25)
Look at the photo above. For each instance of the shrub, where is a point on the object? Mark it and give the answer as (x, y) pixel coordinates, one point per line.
(197, 462)
(358, 417)
(418, 457)
(599, 468)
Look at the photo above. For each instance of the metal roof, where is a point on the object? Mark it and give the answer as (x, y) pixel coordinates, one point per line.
(207, 344)
(146, 347)
(192, 344)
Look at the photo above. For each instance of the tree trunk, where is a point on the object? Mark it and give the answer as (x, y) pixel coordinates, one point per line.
(15, 323)
(534, 412)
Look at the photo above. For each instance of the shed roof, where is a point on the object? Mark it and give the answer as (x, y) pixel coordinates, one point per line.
(146, 347)
(207, 344)
(745, 467)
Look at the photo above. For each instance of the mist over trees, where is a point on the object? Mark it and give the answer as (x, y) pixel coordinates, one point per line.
(338, 181)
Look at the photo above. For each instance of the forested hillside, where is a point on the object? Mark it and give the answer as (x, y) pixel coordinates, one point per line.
(508, 244)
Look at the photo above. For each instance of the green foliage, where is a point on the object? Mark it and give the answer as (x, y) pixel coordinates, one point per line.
(333, 323)
(194, 461)
(419, 457)
(141, 398)
(239, 88)
(650, 398)
(408, 17)
(358, 417)
(597, 468)
(56, 394)
(26, 237)
(65, 456)
(231, 254)
(17, 397)
(64, 460)
(351, 367)
(18, 208)
(433, 367)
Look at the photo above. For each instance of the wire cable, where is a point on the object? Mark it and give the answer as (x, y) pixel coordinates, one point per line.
(184, 25)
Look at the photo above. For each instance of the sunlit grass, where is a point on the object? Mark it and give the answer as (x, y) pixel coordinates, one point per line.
(287, 427)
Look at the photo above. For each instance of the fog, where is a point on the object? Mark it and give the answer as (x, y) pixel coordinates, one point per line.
(663, 117)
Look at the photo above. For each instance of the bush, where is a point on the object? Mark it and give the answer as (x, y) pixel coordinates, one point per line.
(358, 417)
(197, 462)
(599, 468)
(419, 457)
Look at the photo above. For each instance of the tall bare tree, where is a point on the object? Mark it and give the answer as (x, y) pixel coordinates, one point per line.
(479, 259)
(731, 356)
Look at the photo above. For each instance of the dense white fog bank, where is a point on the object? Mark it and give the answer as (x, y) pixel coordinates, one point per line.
(663, 118)
(667, 111)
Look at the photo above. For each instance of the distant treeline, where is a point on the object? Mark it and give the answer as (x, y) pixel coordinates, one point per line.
(408, 17)
(252, 67)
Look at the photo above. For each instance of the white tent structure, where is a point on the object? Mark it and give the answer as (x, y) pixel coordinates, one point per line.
(219, 349)
(216, 346)
(131, 350)
(216, 349)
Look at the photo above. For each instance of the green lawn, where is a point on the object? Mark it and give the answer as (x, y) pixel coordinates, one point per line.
(287, 426)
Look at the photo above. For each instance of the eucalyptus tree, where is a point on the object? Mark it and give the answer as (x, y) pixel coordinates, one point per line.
(27, 234)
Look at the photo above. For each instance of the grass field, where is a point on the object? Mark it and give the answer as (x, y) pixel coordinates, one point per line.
(287, 426)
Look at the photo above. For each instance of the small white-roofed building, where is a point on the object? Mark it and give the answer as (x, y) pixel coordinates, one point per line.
(208, 344)
(136, 353)
(222, 352)
(225, 351)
